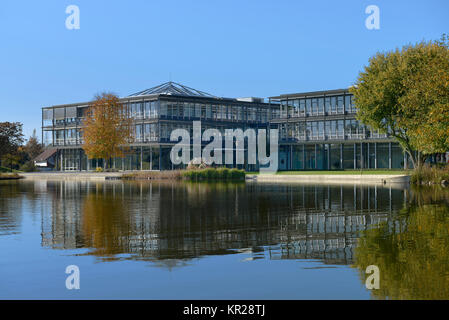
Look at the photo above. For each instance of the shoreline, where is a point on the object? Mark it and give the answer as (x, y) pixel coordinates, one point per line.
(332, 178)
(355, 178)
(12, 178)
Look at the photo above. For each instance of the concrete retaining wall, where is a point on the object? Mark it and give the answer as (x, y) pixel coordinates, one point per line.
(281, 178)
(72, 175)
(332, 179)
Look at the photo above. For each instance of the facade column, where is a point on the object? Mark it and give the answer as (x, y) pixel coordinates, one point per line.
(362, 162)
(141, 159)
(328, 157)
(304, 156)
(151, 158)
(62, 160)
(160, 157)
(291, 157)
(341, 155)
(355, 155)
(316, 160)
(375, 155)
(389, 155)
(368, 156)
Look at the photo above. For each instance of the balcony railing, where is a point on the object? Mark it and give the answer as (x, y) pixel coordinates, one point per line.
(355, 136)
(376, 135)
(318, 137)
(147, 138)
(336, 136)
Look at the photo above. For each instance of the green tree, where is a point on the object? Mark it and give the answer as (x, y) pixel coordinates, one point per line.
(11, 137)
(11, 161)
(427, 101)
(404, 93)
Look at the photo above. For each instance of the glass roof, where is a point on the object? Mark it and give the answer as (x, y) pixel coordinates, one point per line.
(172, 88)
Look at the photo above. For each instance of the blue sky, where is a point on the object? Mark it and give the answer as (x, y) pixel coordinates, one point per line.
(227, 48)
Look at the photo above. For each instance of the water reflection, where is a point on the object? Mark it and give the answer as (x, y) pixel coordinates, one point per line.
(404, 232)
(170, 223)
(411, 250)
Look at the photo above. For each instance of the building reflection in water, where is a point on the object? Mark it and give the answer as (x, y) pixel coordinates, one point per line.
(405, 232)
(181, 221)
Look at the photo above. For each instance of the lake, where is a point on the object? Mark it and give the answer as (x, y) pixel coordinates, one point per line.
(179, 240)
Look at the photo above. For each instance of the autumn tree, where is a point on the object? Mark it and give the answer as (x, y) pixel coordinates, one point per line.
(107, 128)
(33, 147)
(413, 257)
(426, 104)
(404, 93)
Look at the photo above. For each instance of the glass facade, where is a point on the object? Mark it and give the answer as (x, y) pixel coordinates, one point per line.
(317, 131)
(316, 106)
(341, 156)
(322, 129)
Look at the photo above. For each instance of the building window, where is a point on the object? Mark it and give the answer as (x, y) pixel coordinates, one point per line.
(348, 156)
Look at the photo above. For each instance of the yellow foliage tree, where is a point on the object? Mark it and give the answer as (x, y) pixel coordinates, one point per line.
(411, 253)
(107, 128)
(405, 93)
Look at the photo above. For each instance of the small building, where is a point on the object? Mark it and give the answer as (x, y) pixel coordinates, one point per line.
(47, 159)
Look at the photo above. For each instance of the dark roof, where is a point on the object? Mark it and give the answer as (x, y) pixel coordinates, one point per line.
(172, 88)
(310, 94)
(44, 156)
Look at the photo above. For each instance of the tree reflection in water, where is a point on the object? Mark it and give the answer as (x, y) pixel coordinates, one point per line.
(171, 224)
(105, 225)
(411, 250)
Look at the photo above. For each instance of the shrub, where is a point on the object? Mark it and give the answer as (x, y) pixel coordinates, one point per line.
(99, 169)
(187, 174)
(237, 174)
(4, 169)
(28, 167)
(430, 175)
(223, 173)
(190, 175)
(210, 174)
(201, 174)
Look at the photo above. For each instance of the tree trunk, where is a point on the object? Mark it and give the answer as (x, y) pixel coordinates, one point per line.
(412, 157)
(418, 160)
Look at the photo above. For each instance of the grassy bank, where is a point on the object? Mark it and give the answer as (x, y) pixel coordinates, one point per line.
(209, 174)
(5, 170)
(430, 176)
(9, 176)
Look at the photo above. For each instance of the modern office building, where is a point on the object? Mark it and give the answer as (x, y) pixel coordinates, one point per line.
(156, 112)
(318, 130)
